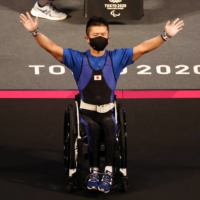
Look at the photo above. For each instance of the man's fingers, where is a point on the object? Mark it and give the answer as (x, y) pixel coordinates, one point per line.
(180, 29)
(168, 23)
(179, 26)
(22, 22)
(28, 16)
(175, 21)
(181, 23)
(23, 17)
(36, 19)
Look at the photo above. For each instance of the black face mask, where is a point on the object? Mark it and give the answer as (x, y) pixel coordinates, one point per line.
(98, 43)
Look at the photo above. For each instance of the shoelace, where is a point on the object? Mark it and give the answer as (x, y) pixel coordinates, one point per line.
(93, 177)
(106, 179)
(51, 5)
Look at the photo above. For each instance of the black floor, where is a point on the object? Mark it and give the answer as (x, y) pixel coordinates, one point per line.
(163, 150)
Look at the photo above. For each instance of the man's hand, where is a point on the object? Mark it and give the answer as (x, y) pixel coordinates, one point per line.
(29, 24)
(173, 28)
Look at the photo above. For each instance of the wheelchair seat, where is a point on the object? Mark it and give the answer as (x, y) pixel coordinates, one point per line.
(75, 138)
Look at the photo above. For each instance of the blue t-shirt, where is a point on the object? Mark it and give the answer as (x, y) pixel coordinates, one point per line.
(120, 58)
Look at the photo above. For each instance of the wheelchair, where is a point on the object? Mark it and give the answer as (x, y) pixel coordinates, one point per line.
(75, 139)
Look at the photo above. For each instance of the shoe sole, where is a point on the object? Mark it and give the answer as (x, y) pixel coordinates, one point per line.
(35, 14)
(92, 188)
(102, 190)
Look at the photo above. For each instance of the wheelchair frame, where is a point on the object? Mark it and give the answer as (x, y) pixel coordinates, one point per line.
(73, 143)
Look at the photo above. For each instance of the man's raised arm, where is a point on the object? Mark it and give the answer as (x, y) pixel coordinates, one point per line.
(32, 27)
(171, 29)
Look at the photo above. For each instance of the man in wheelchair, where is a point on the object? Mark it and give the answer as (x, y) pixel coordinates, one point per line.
(96, 72)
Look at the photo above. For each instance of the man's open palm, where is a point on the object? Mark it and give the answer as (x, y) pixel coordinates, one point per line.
(173, 28)
(29, 24)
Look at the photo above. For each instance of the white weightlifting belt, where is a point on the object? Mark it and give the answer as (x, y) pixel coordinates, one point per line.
(100, 109)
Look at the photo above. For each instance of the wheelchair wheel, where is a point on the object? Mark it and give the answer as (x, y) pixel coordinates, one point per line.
(66, 142)
(122, 136)
(124, 184)
(123, 147)
(69, 139)
(70, 185)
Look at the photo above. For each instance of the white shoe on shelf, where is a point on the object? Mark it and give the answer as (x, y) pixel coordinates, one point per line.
(48, 12)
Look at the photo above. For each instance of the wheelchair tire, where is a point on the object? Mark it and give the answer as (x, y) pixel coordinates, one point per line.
(69, 139)
(124, 184)
(66, 142)
(122, 136)
(70, 185)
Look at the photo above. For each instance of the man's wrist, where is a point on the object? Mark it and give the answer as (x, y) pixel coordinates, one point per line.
(35, 32)
(165, 36)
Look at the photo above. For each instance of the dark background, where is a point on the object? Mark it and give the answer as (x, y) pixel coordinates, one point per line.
(163, 150)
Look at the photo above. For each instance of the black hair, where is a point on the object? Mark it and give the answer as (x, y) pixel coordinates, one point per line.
(96, 21)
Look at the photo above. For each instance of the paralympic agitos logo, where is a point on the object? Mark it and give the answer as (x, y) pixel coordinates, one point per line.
(115, 5)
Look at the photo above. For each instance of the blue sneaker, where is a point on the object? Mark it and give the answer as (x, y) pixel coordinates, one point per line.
(106, 182)
(93, 181)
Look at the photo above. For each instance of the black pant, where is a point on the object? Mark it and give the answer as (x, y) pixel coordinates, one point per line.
(94, 123)
(44, 2)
